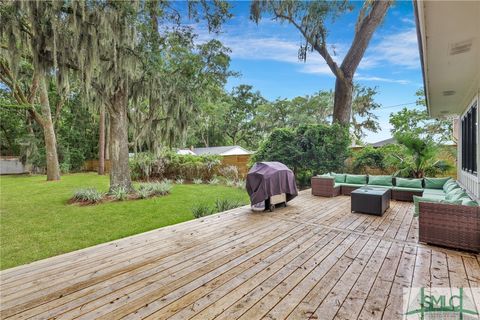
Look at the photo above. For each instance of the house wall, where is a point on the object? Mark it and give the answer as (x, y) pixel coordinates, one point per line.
(469, 181)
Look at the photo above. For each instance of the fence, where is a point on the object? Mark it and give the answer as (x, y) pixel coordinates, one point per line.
(239, 161)
(92, 165)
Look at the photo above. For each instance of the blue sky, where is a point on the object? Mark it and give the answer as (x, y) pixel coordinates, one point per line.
(266, 56)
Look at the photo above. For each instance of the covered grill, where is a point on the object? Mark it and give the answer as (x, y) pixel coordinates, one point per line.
(270, 183)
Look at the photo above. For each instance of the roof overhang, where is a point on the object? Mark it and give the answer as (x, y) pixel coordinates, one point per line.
(448, 36)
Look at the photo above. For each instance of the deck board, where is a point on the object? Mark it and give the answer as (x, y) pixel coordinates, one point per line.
(314, 259)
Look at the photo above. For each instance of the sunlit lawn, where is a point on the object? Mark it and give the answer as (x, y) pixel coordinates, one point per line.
(36, 222)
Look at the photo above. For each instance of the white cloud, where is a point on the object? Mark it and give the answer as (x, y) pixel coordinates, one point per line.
(381, 79)
(400, 49)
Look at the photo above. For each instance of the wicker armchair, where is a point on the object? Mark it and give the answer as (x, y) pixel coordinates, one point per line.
(453, 226)
(324, 187)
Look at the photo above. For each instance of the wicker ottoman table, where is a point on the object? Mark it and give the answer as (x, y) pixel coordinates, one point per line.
(371, 200)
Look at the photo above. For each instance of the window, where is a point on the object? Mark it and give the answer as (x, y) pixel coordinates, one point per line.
(469, 140)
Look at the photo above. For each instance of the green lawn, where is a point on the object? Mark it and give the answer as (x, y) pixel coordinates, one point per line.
(36, 222)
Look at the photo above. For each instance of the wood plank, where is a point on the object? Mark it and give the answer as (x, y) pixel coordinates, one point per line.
(354, 297)
(376, 300)
(347, 266)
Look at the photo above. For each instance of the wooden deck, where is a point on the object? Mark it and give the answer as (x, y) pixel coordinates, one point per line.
(314, 259)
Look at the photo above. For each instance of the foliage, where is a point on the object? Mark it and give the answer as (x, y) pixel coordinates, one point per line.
(281, 145)
(230, 182)
(241, 184)
(155, 188)
(226, 204)
(197, 181)
(119, 193)
(37, 224)
(421, 156)
(202, 210)
(229, 172)
(368, 158)
(88, 195)
(168, 164)
(419, 122)
(308, 150)
(179, 181)
(214, 181)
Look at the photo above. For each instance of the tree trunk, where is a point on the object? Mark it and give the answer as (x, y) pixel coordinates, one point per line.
(101, 141)
(119, 170)
(107, 137)
(53, 167)
(342, 108)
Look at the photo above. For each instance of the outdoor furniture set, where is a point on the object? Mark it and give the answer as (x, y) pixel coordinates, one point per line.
(447, 214)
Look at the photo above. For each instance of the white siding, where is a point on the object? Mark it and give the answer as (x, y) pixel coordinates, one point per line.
(469, 181)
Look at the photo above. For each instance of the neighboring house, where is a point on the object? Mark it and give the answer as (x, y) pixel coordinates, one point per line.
(449, 44)
(222, 151)
(383, 143)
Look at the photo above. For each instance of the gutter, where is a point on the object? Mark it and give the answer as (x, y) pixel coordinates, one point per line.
(420, 49)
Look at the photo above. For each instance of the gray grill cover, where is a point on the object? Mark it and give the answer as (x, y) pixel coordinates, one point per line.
(266, 179)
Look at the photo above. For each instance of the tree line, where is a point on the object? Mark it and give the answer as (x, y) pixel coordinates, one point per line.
(130, 75)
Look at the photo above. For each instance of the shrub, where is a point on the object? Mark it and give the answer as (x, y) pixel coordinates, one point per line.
(214, 181)
(88, 194)
(156, 188)
(197, 181)
(226, 204)
(230, 182)
(143, 193)
(202, 210)
(369, 158)
(308, 150)
(240, 184)
(119, 193)
(147, 166)
(179, 181)
(229, 172)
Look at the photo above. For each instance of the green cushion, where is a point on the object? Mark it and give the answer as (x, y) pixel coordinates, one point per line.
(340, 178)
(356, 179)
(450, 183)
(450, 187)
(435, 183)
(408, 183)
(466, 201)
(380, 180)
(433, 191)
(456, 194)
(407, 189)
(417, 200)
(352, 184)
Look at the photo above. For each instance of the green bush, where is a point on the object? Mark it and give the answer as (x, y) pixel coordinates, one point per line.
(170, 165)
(202, 210)
(214, 181)
(197, 181)
(226, 204)
(308, 150)
(119, 193)
(88, 194)
(369, 158)
(155, 188)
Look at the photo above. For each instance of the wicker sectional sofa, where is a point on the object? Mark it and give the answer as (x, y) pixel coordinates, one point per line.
(447, 215)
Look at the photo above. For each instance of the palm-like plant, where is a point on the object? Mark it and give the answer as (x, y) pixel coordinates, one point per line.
(420, 157)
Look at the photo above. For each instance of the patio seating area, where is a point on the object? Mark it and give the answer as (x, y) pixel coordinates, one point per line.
(314, 259)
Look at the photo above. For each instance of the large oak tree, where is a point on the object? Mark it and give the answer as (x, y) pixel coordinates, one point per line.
(309, 18)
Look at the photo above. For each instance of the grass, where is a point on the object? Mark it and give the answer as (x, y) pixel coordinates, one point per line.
(36, 222)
